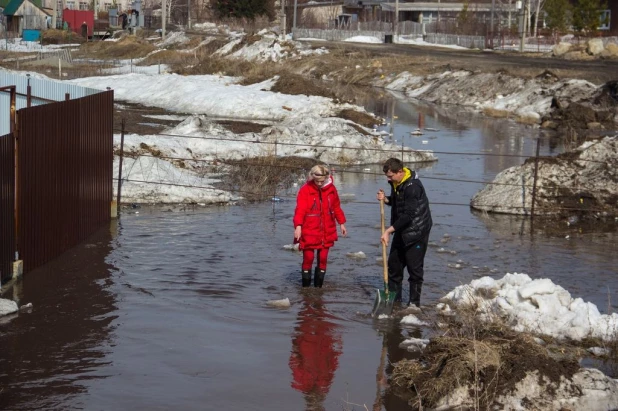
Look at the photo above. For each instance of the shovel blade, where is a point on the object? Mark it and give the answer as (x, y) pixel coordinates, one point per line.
(383, 303)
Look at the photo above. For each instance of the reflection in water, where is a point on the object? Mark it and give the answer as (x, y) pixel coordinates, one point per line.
(316, 346)
(392, 337)
(63, 342)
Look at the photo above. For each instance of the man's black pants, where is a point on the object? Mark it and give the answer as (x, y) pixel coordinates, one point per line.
(411, 257)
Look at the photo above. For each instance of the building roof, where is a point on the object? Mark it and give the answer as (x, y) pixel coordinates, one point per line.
(456, 7)
(13, 5)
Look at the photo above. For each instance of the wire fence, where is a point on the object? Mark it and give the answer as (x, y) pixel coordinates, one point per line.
(279, 192)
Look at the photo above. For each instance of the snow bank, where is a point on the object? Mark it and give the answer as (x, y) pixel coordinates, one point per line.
(586, 178)
(490, 91)
(266, 46)
(538, 306)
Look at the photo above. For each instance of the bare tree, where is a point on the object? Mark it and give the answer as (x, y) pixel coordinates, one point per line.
(539, 7)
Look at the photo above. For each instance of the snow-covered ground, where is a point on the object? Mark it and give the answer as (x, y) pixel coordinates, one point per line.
(305, 126)
(20, 46)
(538, 306)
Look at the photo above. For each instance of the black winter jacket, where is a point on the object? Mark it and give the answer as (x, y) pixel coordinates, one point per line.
(410, 214)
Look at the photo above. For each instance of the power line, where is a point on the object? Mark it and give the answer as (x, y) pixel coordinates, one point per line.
(265, 195)
(399, 150)
(289, 167)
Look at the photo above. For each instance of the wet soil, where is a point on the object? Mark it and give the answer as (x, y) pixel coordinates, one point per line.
(295, 84)
(137, 121)
(527, 65)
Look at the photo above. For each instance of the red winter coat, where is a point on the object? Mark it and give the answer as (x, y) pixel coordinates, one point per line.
(318, 210)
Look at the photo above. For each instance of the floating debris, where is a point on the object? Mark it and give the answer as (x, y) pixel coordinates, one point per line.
(285, 303)
(431, 129)
(412, 319)
(598, 351)
(414, 344)
(416, 132)
(359, 255)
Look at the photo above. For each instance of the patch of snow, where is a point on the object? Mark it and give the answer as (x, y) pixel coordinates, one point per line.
(7, 307)
(413, 320)
(538, 306)
(364, 39)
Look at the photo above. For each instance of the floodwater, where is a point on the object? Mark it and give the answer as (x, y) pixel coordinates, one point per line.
(166, 309)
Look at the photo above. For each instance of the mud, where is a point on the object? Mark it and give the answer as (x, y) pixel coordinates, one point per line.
(240, 127)
(295, 84)
(136, 120)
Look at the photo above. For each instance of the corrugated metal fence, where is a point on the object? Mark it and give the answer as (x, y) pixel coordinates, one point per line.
(65, 159)
(7, 206)
(44, 90)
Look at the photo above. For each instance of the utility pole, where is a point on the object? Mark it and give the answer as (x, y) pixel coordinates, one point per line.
(282, 17)
(522, 25)
(493, 10)
(396, 38)
(54, 15)
(294, 19)
(189, 14)
(163, 17)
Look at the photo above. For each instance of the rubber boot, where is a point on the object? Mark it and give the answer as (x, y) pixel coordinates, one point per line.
(306, 276)
(319, 277)
(395, 288)
(415, 294)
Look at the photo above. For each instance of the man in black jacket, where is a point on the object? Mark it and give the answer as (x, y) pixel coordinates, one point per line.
(410, 223)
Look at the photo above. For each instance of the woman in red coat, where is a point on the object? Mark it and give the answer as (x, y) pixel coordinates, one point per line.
(318, 210)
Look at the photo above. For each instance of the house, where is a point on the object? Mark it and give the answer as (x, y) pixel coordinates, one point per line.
(23, 15)
(429, 11)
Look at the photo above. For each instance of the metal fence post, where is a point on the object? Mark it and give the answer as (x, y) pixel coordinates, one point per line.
(536, 172)
(121, 155)
(28, 93)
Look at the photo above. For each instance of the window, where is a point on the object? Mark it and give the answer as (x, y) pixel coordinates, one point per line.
(83, 6)
(71, 5)
(606, 16)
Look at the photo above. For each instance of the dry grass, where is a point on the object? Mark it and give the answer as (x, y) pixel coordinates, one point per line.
(61, 37)
(493, 112)
(259, 178)
(481, 355)
(530, 120)
(294, 84)
(171, 57)
(125, 48)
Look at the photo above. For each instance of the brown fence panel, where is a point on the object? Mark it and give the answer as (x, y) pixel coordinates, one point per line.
(65, 175)
(7, 206)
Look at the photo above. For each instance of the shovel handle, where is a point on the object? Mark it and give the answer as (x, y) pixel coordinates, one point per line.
(384, 263)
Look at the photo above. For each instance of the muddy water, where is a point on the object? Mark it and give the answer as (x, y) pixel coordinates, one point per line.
(167, 309)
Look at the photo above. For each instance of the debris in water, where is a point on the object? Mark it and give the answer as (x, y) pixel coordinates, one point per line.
(292, 247)
(358, 254)
(285, 303)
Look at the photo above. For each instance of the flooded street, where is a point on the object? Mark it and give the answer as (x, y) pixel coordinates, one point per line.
(166, 309)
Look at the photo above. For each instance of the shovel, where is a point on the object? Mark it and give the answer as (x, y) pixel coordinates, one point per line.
(383, 303)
